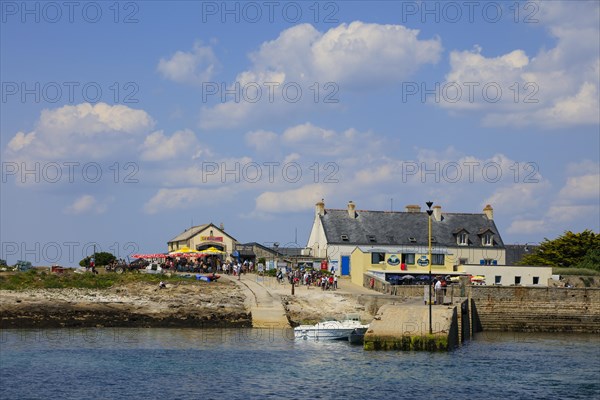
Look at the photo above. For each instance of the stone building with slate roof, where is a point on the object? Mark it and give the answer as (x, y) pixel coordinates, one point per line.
(394, 238)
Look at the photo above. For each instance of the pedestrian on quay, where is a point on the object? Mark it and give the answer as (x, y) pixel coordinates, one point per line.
(439, 294)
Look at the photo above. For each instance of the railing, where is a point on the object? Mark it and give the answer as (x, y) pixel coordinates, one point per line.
(380, 285)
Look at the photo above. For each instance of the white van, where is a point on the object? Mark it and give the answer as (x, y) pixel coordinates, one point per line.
(153, 268)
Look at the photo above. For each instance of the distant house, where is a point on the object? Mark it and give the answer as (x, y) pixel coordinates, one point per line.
(386, 240)
(516, 252)
(511, 275)
(254, 251)
(201, 237)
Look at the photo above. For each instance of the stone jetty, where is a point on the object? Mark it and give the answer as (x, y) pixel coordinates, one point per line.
(405, 326)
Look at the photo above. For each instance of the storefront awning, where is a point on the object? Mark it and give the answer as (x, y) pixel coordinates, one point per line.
(404, 250)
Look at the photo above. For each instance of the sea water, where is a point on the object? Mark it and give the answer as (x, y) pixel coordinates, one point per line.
(105, 363)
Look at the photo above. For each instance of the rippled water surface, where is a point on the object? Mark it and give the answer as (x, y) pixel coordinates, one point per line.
(257, 364)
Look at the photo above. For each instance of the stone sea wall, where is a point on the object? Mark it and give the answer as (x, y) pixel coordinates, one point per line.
(518, 308)
(537, 309)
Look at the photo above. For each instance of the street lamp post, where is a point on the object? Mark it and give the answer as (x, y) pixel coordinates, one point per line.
(275, 255)
(429, 212)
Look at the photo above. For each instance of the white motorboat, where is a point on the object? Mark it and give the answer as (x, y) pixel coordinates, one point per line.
(329, 330)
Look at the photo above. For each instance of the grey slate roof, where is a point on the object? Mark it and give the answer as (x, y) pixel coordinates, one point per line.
(395, 228)
(515, 252)
(285, 251)
(188, 233)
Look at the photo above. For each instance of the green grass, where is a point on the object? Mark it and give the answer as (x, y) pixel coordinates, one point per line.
(34, 279)
(575, 271)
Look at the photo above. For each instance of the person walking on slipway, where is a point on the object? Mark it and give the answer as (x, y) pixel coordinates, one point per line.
(439, 294)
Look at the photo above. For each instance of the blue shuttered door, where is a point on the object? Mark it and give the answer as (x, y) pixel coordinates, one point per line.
(345, 265)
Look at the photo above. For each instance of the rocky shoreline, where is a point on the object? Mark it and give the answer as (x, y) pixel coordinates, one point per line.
(182, 304)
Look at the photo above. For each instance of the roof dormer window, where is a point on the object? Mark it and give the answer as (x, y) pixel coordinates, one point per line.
(345, 238)
(462, 239)
(371, 238)
(412, 240)
(487, 239)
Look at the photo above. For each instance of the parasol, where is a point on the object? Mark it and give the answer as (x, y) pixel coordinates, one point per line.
(185, 252)
(154, 255)
(211, 250)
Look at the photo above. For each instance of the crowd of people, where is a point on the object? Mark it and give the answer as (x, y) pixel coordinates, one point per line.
(300, 275)
(210, 264)
(306, 277)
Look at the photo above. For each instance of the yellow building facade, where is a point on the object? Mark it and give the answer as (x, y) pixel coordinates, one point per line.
(381, 260)
(202, 237)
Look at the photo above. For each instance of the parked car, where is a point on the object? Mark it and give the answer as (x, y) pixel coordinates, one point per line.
(153, 268)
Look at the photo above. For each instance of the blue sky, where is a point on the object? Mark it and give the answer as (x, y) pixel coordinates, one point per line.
(124, 123)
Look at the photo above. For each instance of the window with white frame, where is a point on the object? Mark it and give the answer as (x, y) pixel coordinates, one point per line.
(487, 239)
(437, 259)
(462, 239)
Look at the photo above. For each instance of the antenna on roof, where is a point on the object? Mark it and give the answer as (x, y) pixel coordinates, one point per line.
(296, 235)
(391, 204)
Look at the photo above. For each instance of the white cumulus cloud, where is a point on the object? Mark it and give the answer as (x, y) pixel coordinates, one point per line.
(555, 88)
(157, 146)
(351, 56)
(581, 187)
(294, 200)
(21, 140)
(196, 66)
(83, 130)
(86, 204)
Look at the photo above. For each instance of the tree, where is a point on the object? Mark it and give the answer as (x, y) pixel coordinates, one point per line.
(102, 258)
(569, 250)
(591, 260)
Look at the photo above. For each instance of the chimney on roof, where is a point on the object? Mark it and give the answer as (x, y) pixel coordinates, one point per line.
(489, 212)
(437, 213)
(413, 208)
(351, 209)
(320, 208)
